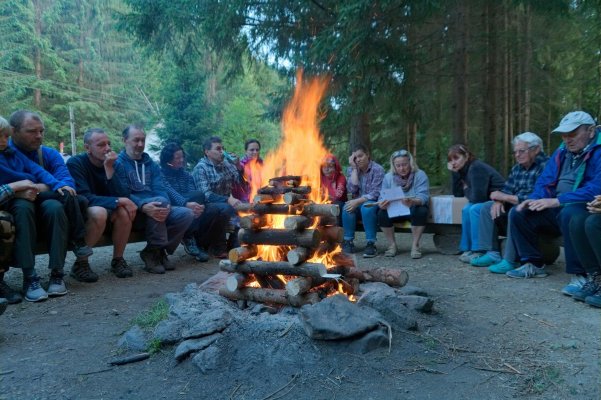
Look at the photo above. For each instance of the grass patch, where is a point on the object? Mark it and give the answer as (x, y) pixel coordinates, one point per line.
(152, 317)
(154, 346)
(543, 379)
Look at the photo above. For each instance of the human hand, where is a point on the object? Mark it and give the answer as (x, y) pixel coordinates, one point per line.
(197, 209)
(497, 209)
(68, 189)
(542, 204)
(450, 167)
(23, 185)
(109, 159)
(129, 206)
(384, 204)
(351, 205)
(156, 210)
(29, 194)
(497, 195)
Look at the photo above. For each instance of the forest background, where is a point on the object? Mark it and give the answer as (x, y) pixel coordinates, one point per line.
(415, 74)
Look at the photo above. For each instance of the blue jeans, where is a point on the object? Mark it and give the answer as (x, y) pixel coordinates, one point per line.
(369, 216)
(470, 220)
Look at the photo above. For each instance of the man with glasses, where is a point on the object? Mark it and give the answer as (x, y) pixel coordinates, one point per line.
(571, 178)
(530, 161)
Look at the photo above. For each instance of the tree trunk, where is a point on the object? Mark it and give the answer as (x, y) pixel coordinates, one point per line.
(527, 66)
(460, 101)
(360, 131)
(37, 56)
(490, 82)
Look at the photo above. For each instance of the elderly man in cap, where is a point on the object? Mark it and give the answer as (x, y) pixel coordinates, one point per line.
(571, 178)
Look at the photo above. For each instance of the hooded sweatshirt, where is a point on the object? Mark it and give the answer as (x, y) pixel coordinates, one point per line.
(142, 177)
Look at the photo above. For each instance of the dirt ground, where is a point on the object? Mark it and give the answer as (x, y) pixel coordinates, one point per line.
(490, 337)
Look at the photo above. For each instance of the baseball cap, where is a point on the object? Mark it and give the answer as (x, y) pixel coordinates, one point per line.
(572, 121)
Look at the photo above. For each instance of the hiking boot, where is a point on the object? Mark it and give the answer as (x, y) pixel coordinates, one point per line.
(348, 247)
(152, 260)
(33, 290)
(56, 285)
(165, 262)
(120, 268)
(416, 253)
(3, 305)
(391, 251)
(82, 272)
(503, 267)
(527, 270)
(467, 256)
(202, 256)
(590, 287)
(190, 246)
(594, 300)
(576, 284)
(12, 296)
(484, 260)
(370, 250)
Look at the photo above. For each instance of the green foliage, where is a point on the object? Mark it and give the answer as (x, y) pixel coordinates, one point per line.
(149, 319)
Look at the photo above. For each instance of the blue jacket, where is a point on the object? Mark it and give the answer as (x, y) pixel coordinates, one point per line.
(142, 178)
(52, 162)
(588, 176)
(14, 166)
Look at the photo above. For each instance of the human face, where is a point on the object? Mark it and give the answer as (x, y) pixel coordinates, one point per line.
(457, 161)
(98, 148)
(252, 151)
(402, 166)
(215, 154)
(135, 143)
(4, 135)
(361, 160)
(178, 160)
(328, 167)
(578, 138)
(525, 154)
(31, 134)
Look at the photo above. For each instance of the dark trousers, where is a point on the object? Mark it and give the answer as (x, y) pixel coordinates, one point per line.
(526, 225)
(585, 235)
(51, 223)
(74, 208)
(418, 217)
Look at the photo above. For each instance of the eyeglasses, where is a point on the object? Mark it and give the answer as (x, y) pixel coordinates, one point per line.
(522, 151)
(400, 153)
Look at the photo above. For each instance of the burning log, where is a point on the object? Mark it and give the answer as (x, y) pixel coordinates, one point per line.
(270, 282)
(295, 198)
(273, 209)
(297, 222)
(321, 210)
(240, 254)
(287, 180)
(270, 296)
(328, 220)
(237, 281)
(391, 277)
(299, 286)
(280, 237)
(266, 199)
(261, 268)
(297, 255)
(274, 190)
(253, 222)
(331, 234)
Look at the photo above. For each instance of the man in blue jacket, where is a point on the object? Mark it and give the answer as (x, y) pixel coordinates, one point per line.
(96, 180)
(571, 178)
(164, 225)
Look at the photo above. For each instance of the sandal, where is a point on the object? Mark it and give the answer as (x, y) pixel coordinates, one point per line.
(416, 252)
(391, 251)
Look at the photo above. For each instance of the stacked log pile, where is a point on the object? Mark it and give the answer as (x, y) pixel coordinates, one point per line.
(309, 230)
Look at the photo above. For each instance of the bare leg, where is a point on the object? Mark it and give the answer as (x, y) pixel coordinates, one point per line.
(95, 225)
(389, 234)
(417, 232)
(121, 229)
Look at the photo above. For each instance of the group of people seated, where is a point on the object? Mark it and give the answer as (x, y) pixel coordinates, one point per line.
(72, 205)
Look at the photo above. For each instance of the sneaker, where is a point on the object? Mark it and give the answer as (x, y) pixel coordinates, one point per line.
(12, 296)
(484, 260)
(467, 256)
(3, 305)
(416, 253)
(33, 290)
(152, 260)
(56, 286)
(527, 270)
(190, 246)
(391, 251)
(503, 267)
(576, 283)
(165, 262)
(120, 268)
(348, 247)
(83, 251)
(594, 300)
(202, 256)
(82, 272)
(589, 288)
(370, 250)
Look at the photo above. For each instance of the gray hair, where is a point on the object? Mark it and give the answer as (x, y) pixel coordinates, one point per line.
(531, 139)
(403, 153)
(87, 136)
(4, 125)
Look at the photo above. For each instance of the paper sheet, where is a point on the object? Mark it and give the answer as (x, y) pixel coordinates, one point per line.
(396, 208)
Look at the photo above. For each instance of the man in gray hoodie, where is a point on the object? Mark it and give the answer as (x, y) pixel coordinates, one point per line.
(164, 225)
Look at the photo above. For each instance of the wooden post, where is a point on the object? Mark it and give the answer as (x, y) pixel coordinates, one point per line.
(280, 237)
(72, 125)
(242, 253)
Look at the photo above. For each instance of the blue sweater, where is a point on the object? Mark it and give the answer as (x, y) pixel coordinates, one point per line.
(14, 166)
(52, 162)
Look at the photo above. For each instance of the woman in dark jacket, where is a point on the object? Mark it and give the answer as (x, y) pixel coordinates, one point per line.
(475, 180)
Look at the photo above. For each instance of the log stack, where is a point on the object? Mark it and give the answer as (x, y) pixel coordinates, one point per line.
(309, 230)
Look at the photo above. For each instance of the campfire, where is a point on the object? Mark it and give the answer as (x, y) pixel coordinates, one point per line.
(290, 243)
